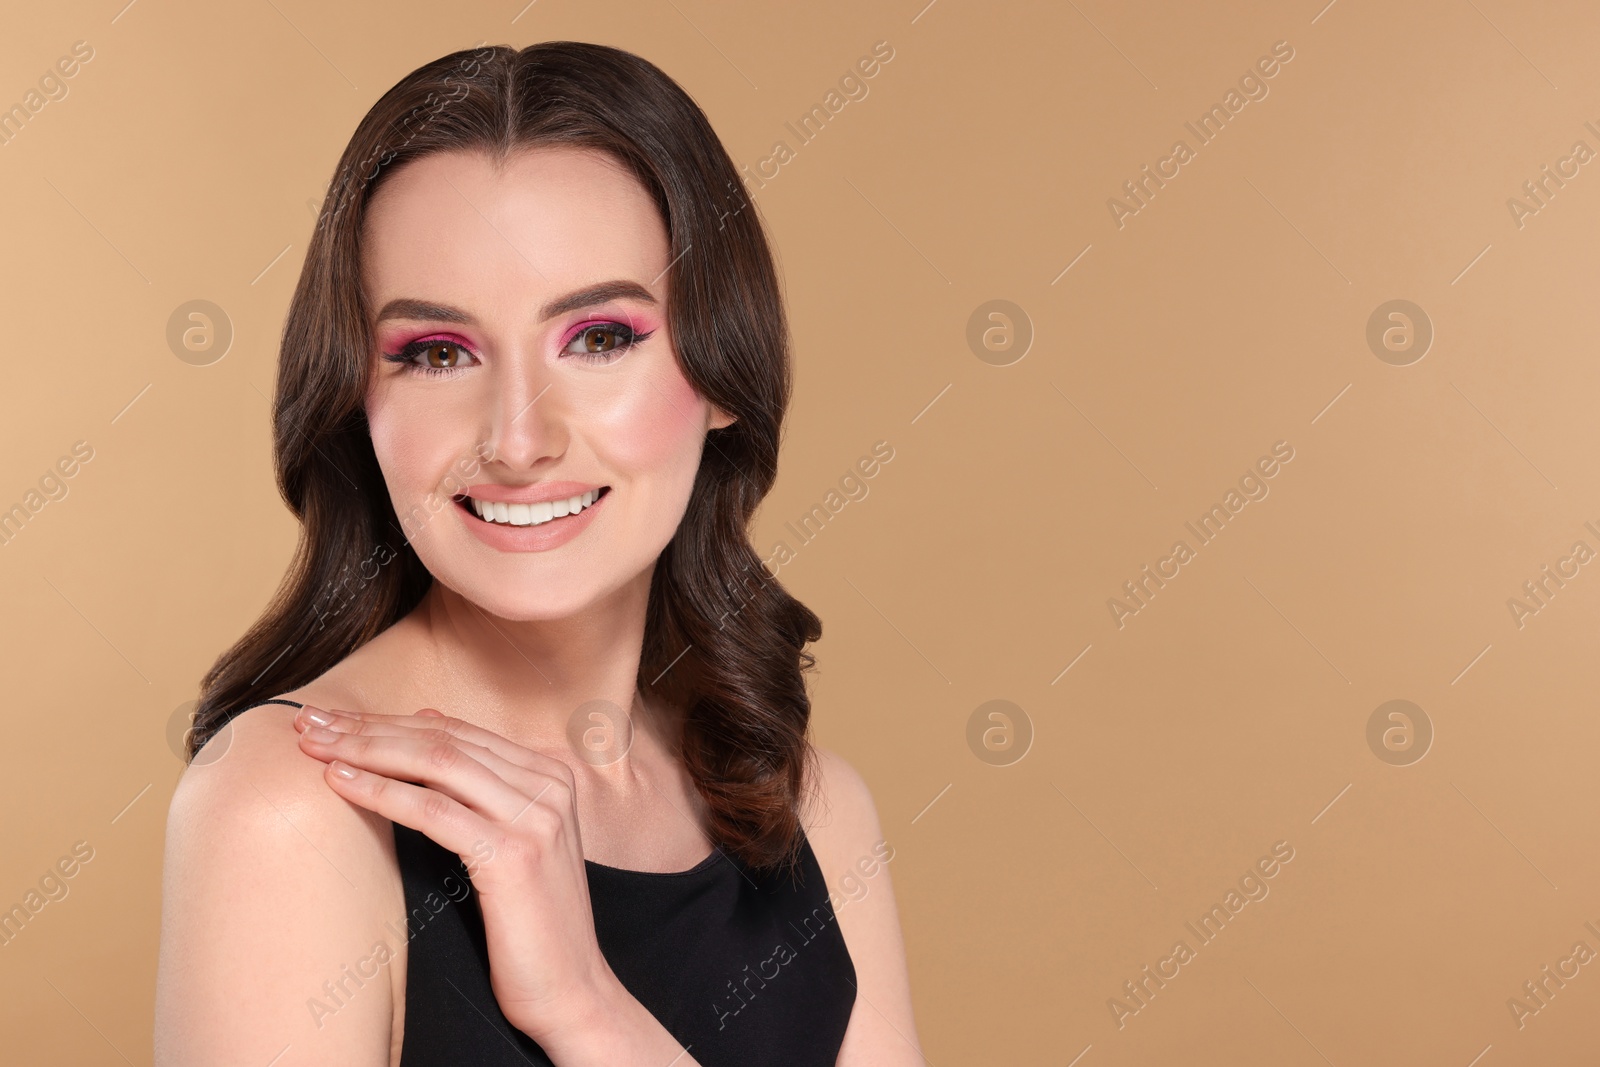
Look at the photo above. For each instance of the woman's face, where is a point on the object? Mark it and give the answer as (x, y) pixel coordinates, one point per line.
(523, 354)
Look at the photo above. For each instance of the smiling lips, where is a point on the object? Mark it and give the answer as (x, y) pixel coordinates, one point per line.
(531, 514)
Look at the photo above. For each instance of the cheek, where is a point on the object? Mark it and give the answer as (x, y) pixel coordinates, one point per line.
(657, 430)
(397, 450)
(408, 440)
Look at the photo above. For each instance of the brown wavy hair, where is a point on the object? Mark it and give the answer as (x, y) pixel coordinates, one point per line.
(723, 640)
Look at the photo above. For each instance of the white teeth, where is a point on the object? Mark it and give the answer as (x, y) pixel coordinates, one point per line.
(532, 514)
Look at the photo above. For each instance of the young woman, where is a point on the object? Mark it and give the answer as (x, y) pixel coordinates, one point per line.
(530, 391)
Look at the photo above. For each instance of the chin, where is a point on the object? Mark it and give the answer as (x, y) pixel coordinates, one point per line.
(529, 601)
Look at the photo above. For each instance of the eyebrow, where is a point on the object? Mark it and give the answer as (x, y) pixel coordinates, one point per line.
(589, 296)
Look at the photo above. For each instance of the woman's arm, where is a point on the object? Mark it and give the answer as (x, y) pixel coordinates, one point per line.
(842, 826)
(511, 813)
(272, 950)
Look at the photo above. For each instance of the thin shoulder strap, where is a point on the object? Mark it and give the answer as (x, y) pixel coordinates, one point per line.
(291, 703)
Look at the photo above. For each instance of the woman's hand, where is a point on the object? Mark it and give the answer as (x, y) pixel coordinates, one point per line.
(479, 792)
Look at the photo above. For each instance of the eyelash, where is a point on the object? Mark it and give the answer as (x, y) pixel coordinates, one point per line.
(408, 353)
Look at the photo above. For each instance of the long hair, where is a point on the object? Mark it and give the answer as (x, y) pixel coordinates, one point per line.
(723, 641)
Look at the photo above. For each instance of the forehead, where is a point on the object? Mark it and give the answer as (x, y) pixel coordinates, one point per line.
(454, 226)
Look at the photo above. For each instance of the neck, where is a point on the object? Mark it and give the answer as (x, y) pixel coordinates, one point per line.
(526, 680)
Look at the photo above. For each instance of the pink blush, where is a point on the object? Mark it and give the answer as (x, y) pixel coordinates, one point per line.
(656, 426)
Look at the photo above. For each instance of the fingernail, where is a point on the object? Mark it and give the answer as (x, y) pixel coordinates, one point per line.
(316, 715)
(343, 770)
(318, 733)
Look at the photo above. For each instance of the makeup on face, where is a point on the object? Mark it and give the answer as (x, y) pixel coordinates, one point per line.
(599, 331)
(545, 337)
(536, 517)
(598, 338)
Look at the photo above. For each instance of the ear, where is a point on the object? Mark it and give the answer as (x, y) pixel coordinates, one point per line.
(720, 418)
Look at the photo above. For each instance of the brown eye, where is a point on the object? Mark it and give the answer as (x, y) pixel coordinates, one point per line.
(442, 354)
(600, 339)
(603, 339)
(432, 355)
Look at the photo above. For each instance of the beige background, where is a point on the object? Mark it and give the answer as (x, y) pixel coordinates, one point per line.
(1228, 314)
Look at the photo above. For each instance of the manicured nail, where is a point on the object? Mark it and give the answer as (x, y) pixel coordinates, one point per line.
(343, 770)
(316, 715)
(321, 734)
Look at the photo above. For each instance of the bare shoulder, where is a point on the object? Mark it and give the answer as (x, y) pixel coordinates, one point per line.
(274, 888)
(836, 794)
(841, 822)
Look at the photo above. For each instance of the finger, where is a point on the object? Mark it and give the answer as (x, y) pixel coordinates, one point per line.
(441, 817)
(533, 784)
(477, 735)
(436, 762)
(312, 715)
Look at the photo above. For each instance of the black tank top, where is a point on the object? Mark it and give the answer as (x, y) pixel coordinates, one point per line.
(742, 966)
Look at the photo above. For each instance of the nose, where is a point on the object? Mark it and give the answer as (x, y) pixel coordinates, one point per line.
(526, 423)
